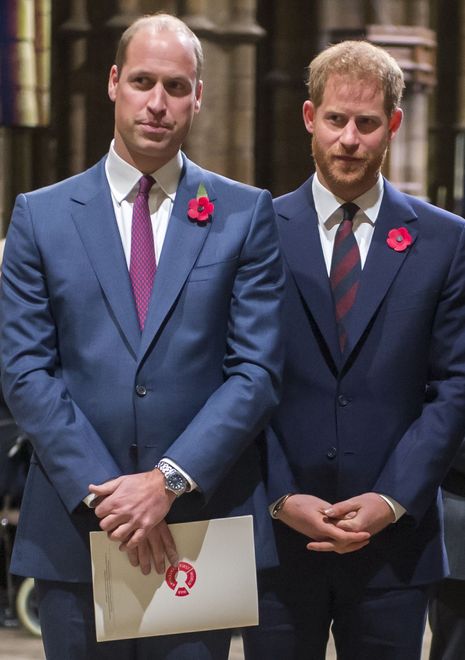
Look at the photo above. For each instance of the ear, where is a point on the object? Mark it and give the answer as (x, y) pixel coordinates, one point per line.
(395, 122)
(308, 112)
(113, 82)
(198, 96)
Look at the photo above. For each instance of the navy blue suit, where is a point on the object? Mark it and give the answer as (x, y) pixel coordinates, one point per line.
(209, 359)
(387, 416)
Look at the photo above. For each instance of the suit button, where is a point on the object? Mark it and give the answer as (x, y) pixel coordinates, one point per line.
(342, 400)
(332, 452)
(141, 390)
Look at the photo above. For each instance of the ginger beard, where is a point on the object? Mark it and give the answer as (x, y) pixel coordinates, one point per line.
(339, 174)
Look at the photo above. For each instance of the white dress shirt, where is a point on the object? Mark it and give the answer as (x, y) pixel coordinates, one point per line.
(328, 208)
(123, 180)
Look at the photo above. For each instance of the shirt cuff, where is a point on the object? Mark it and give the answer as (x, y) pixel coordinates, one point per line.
(89, 500)
(397, 509)
(191, 483)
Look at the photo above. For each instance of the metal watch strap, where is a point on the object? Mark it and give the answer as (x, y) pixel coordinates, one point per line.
(174, 480)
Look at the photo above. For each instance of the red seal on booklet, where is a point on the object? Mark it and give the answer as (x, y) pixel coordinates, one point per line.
(181, 585)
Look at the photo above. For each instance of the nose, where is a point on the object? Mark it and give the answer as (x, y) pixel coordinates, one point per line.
(157, 99)
(349, 135)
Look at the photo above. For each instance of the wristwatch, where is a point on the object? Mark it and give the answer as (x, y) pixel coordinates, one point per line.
(174, 480)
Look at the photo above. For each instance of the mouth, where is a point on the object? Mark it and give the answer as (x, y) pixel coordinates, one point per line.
(154, 128)
(346, 159)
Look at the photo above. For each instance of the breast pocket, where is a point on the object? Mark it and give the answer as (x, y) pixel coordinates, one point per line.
(221, 270)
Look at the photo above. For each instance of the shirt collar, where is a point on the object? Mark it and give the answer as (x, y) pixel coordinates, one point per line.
(327, 204)
(123, 177)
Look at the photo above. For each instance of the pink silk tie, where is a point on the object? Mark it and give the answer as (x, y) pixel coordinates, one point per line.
(142, 266)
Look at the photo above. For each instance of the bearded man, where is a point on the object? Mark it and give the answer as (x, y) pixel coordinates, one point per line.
(374, 382)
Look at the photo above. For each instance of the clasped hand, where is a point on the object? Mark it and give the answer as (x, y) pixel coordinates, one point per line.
(132, 510)
(343, 527)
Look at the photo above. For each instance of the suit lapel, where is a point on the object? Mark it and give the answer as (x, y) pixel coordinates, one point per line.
(301, 243)
(93, 215)
(382, 264)
(183, 243)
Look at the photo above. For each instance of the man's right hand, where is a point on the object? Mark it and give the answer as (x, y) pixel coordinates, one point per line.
(305, 514)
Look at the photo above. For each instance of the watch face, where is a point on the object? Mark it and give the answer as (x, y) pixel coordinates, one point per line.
(175, 482)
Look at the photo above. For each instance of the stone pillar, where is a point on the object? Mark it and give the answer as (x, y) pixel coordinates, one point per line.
(222, 137)
(283, 145)
(4, 178)
(414, 47)
(75, 34)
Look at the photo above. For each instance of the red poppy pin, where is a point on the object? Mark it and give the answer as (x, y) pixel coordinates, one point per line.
(200, 208)
(399, 239)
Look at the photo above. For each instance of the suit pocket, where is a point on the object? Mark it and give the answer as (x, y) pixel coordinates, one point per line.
(218, 270)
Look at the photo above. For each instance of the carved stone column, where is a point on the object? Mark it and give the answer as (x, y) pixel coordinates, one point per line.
(414, 47)
(283, 145)
(4, 179)
(222, 138)
(75, 33)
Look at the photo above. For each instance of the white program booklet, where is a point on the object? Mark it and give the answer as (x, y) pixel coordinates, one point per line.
(213, 587)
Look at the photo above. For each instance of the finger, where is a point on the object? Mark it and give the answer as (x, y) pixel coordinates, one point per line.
(133, 555)
(145, 558)
(350, 515)
(158, 550)
(123, 534)
(105, 507)
(112, 521)
(169, 544)
(342, 509)
(338, 535)
(349, 525)
(138, 536)
(331, 546)
(106, 488)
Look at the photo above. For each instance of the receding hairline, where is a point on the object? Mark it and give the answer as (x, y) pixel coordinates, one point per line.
(160, 22)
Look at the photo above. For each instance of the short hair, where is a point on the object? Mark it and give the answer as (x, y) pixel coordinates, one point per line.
(359, 60)
(159, 22)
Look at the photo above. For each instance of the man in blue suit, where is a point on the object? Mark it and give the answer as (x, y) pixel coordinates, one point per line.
(142, 395)
(374, 381)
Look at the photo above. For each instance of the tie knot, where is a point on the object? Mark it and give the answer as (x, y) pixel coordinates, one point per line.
(145, 183)
(349, 209)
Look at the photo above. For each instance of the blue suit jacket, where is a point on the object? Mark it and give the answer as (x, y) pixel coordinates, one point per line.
(389, 414)
(209, 358)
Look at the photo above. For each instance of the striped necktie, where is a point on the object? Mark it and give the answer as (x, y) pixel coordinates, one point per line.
(142, 264)
(345, 270)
